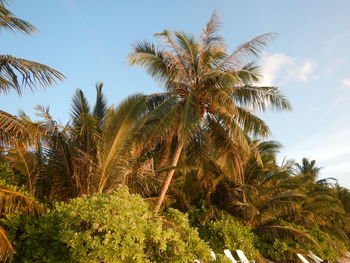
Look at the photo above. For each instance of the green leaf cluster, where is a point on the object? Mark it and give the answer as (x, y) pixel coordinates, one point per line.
(225, 232)
(116, 227)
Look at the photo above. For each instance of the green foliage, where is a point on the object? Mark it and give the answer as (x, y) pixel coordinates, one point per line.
(284, 251)
(37, 240)
(330, 249)
(9, 177)
(117, 227)
(226, 232)
(276, 249)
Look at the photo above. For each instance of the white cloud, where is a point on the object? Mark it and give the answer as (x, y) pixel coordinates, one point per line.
(346, 82)
(271, 67)
(281, 67)
(304, 71)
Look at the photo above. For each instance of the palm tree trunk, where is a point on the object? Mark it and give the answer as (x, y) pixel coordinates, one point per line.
(169, 176)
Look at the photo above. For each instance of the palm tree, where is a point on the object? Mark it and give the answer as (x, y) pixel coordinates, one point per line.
(308, 167)
(205, 87)
(32, 74)
(96, 152)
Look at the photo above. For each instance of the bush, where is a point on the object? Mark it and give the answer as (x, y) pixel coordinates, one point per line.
(225, 232)
(37, 240)
(117, 227)
(8, 177)
(284, 250)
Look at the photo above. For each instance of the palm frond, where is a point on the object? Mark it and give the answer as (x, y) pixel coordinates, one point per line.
(9, 21)
(6, 248)
(261, 98)
(31, 74)
(251, 124)
(189, 119)
(100, 107)
(145, 54)
(209, 35)
(13, 128)
(80, 105)
(13, 201)
(287, 233)
(250, 48)
(114, 147)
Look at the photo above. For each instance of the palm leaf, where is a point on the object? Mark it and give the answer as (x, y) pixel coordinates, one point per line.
(287, 233)
(100, 108)
(145, 54)
(209, 35)
(9, 21)
(261, 98)
(6, 249)
(12, 201)
(115, 146)
(32, 74)
(250, 48)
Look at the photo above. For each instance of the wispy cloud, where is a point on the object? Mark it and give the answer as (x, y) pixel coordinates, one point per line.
(272, 65)
(280, 67)
(346, 82)
(304, 71)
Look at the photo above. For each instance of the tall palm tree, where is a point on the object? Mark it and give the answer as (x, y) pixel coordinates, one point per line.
(204, 87)
(17, 73)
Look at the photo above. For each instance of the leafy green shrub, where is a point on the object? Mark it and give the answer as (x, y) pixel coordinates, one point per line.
(284, 251)
(329, 249)
(275, 249)
(37, 240)
(117, 227)
(9, 177)
(225, 232)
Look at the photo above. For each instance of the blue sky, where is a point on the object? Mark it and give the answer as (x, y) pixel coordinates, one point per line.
(89, 41)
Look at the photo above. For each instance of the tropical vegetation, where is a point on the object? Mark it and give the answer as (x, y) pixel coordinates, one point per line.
(164, 177)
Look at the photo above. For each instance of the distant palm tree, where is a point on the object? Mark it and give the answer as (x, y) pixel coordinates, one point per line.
(308, 167)
(32, 74)
(205, 87)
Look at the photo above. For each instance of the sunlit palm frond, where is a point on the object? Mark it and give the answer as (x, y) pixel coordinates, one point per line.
(146, 54)
(261, 98)
(9, 21)
(115, 146)
(190, 47)
(209, 35)
(189, 117)
(32, 74)
(6, 248)
(160, 120)
(251, 124)
(14, 128)
(250, 48)
(12, 201)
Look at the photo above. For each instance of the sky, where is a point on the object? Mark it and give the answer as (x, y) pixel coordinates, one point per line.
(88, 41)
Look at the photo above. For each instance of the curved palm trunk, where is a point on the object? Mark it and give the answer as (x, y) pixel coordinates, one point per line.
(173, 162)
